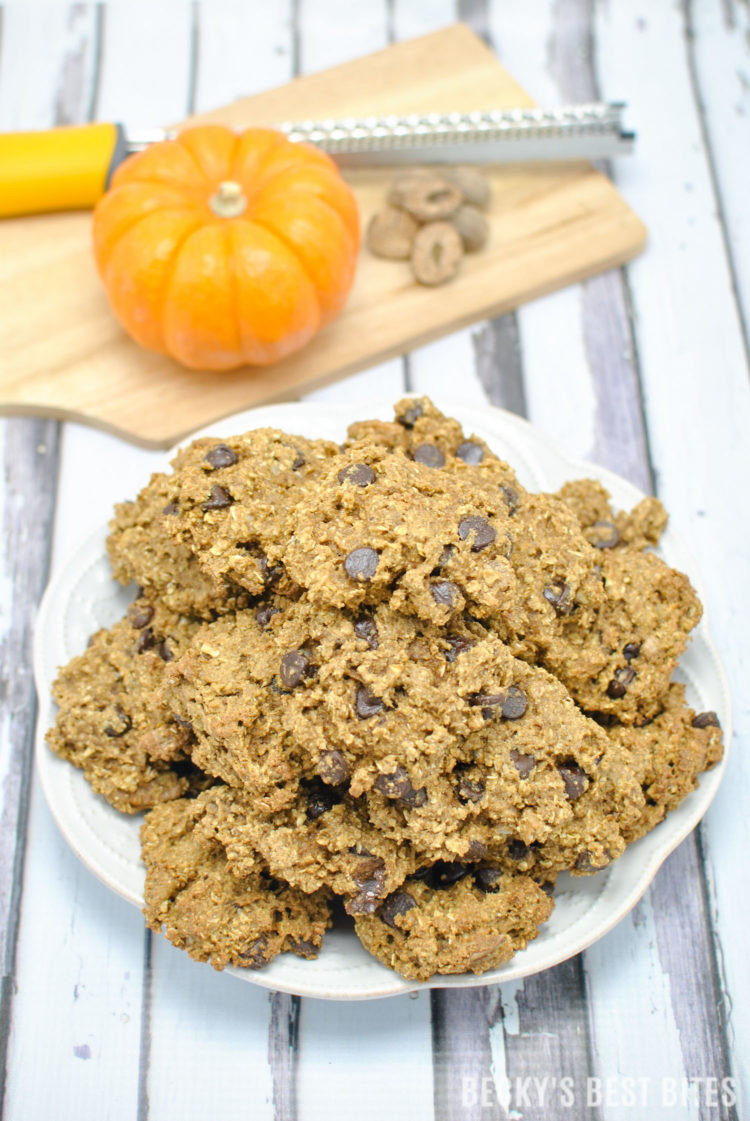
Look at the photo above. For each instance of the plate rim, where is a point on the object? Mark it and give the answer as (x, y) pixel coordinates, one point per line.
(573, 468)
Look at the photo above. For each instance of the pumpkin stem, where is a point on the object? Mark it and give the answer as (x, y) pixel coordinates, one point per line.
(229, 201)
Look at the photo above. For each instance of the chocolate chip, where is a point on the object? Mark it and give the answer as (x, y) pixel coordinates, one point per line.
(145, 640)
(560, 596)
(514, 705)
(606, 536)
(705, 720)
(469, 791)
(358, 474)
(293, 668)
(270, 573)
(219, 499)
(125, 721)
(446, 555)
(164, 652)
(574, 779)
(254, 956)
(548, 887)
(367, 629)
(410, 416)
(397, 785)
(275, 687)
(415, 799)
(445, 593)
(445, 875)
(299, 460)
(369, 876)
(476, 850)
(429, 455)
(631, 650)
(511, 497)
(621, 678)
(367, 704)
(320, 799)
(265, 613)
(140, 615)
(220, 456)
(585, 863)
(398, 903)
(169, 509)
(488, 700)
(304, 948)
(470, 452)
(486, 878)
(333, 767)
(524, 764)
(457, 645)
(361, 564)
(511, 704)
(483, 532)
(517, 850)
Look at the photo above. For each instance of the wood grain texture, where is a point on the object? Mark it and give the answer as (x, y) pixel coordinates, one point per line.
(649, 999)
(64, 353)
(93, 1057)
(688, 326)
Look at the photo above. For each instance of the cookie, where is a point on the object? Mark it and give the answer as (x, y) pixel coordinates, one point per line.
(638, 528)
(131, 750)
(216, 916)
(233, 500)
(384, 672)
(666, 756)
(324, 840)
(622, 663)
(462, 928)
(141, 551)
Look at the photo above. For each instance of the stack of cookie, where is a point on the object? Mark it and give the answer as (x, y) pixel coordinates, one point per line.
(387, 674)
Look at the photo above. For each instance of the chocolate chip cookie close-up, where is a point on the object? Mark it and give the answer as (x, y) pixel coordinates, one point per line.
(382, 677)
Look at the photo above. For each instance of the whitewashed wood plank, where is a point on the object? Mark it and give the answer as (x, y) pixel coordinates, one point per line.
(73, 955)
(207, 1042)
(328, 33)
(77, 1008)
(385, 379)
(688, 333)
(146, 63)
(242, 49)
(446, 369)
(366, 1059)
(718, 45)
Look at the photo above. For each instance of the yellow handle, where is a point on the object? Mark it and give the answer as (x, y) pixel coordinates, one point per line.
(61, 169)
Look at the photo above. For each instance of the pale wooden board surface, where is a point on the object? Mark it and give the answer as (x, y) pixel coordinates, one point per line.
(63, 353)
(661, 396)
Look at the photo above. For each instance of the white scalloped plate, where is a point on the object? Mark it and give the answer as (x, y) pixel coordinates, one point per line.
(83, 597)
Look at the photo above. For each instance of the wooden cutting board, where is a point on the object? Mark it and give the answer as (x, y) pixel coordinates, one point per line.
(62, 353)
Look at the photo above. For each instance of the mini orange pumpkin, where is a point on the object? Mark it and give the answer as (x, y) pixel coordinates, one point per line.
(223, 249)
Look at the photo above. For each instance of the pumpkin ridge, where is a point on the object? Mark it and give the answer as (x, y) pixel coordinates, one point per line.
(152, 181)
(280, 140)
(170, 270)
(196, 165)
(270, 229)
(234, 292)
(141, 218)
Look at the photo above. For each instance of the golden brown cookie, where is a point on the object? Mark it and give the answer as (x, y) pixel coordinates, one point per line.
(462, 928)
(110, 723)
(216, 916)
